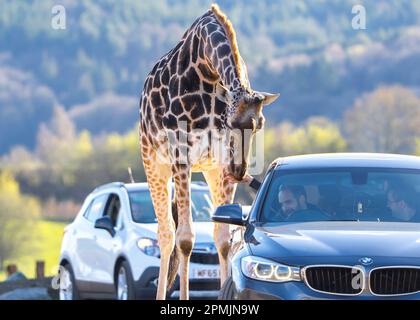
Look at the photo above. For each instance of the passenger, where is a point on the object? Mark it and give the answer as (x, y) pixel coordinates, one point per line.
(402, 201)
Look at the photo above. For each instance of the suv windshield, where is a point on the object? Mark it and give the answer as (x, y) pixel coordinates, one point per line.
(364, 194)
(143, 212)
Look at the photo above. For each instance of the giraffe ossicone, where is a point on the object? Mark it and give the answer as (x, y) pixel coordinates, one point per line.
(198, 113)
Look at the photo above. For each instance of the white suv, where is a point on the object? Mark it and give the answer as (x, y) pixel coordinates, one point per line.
(111, 249)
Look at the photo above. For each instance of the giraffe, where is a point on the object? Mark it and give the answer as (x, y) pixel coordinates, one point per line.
(199, 87)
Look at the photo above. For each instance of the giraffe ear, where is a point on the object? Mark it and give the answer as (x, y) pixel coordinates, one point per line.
(223, 93)
(268, 98)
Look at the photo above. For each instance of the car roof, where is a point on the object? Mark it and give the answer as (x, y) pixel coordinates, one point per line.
(141, 186)
(355, 160)
(195, 185)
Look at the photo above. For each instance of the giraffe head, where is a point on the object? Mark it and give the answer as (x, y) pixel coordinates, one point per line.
(244, 117)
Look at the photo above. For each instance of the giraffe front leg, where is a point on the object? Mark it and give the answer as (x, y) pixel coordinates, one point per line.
(222, 241)
(166, 232)
(222, 193)
(185, 235)
(158, 177)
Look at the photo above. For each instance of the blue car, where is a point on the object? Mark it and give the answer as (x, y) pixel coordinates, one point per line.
(328, 226)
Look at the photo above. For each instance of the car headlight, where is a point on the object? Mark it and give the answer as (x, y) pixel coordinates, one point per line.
(266, 270)
(149, 247)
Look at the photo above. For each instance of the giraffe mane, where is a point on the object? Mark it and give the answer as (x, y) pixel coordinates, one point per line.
(231, 34)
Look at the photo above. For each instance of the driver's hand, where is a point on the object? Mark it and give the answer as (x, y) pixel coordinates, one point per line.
(247, 179)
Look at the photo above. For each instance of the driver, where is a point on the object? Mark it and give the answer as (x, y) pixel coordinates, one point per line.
(114, 214)
(292, 198)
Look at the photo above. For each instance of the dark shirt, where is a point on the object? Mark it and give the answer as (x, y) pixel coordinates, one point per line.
(415, 218)
(255, 184)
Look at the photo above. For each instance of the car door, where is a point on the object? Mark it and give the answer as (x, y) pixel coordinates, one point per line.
(107, 246)
(84, 262)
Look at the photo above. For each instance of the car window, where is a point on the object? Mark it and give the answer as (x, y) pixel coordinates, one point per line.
(201, 206)
(96, 208)
(112, 209)
(142, 207)
(143, 212)
(362, 194)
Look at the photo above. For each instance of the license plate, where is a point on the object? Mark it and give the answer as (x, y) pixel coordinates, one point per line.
(204, 273)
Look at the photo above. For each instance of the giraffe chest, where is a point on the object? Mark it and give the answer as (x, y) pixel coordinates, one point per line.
(205, 166)
(202, 151)
(207, 150)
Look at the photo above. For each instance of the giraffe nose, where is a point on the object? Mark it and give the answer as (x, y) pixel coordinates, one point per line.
(250, 124)
(235, 124)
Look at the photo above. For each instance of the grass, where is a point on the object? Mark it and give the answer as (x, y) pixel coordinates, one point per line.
(46, 247)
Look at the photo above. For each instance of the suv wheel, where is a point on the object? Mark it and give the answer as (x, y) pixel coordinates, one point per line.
(124, 283)
(68, 289)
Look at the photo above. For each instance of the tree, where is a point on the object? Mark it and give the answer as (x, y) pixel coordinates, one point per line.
(418, 146)
(17, 215)
(54, 139)
(24, 104)
(385, 120)
(316, 135)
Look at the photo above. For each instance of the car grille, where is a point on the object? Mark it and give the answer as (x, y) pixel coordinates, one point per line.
(204, 258)
(333, 279)
(395, 280)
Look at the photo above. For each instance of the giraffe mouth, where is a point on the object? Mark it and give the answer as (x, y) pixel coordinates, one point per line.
(228, 126)
(232, 178)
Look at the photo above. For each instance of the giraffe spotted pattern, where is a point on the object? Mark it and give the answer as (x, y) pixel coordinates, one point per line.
(198, 88)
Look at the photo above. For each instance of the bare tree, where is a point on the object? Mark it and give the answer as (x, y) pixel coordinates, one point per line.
(385, 120)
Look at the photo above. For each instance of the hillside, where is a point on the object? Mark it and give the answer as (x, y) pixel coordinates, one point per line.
(306, 50)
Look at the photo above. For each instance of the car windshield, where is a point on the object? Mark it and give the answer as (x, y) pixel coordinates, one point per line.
(357, 194)
(143, 212)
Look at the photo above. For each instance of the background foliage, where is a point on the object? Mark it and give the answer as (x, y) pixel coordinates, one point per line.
(69, 98)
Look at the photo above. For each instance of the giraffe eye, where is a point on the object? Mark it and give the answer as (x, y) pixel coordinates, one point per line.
(258, 99)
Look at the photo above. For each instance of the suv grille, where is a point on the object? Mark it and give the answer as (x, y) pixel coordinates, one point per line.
(203, 285)
(204, 258)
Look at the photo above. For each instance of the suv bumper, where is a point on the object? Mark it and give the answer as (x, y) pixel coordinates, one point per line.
(146, 286)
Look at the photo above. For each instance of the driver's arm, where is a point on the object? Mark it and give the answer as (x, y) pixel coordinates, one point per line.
(252, 182)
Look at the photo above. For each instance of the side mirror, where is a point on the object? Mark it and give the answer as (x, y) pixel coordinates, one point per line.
(245, 211)
(229, 213)
(105, 223)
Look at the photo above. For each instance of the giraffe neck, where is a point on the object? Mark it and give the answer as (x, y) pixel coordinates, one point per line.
(222, 55)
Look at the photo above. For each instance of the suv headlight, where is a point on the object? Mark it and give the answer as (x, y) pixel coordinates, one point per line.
(149, 246)
(266, 270)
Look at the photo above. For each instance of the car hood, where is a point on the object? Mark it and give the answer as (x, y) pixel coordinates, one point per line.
(203, 231)
(337, 242)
